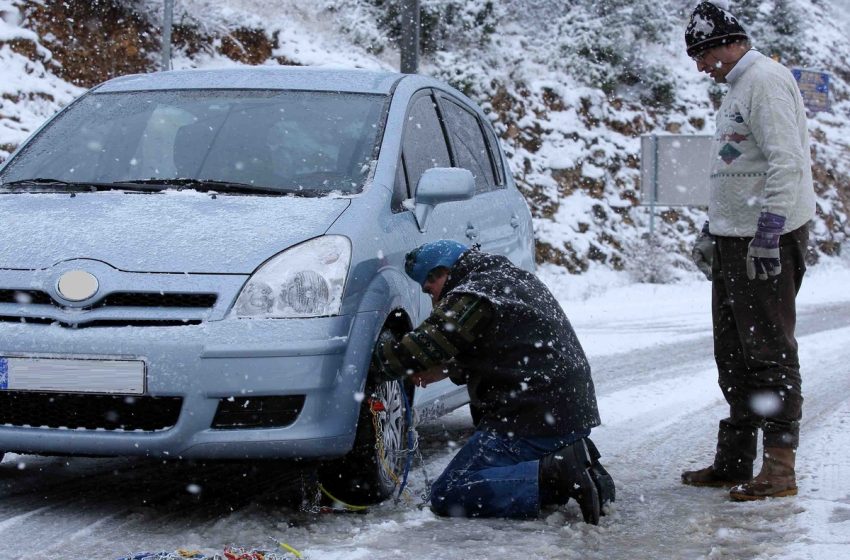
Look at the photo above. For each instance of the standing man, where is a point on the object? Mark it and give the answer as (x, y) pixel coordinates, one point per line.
(499, 330)
(753, 246)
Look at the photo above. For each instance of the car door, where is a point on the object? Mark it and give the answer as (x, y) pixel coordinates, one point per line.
(521, 247)
(491, 221)
(424, 145)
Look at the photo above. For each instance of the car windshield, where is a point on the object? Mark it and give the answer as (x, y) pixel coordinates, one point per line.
(278, 141)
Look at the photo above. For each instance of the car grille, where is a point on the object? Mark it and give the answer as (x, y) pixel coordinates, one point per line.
(89, 412)
(117, 299)
(257, 412)
(136, 309)
(25, 297)
(102, 322)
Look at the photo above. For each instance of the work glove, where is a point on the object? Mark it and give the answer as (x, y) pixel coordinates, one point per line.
(763, 252)
(703, 252)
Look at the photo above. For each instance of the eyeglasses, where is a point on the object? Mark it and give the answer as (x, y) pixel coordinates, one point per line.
(702, 56)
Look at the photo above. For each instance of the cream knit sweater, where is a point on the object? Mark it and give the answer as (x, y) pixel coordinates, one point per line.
(761, 151)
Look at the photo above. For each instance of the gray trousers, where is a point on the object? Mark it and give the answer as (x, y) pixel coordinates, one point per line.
(755, 349)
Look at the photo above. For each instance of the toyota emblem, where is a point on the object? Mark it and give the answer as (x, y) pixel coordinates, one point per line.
(77, 285)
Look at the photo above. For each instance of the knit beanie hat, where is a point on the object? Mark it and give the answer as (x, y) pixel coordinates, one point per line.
(422, 260)
(711, 26)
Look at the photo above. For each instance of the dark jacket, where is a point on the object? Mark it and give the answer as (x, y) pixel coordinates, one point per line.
(527, 374)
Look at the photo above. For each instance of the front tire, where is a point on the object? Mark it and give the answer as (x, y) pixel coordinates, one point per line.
(375, 466)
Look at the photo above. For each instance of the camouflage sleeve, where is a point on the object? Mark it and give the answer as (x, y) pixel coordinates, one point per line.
(452, 328)
(457, 373)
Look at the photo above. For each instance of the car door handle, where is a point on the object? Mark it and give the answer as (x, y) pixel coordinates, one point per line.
(472, 232)
(514, 221)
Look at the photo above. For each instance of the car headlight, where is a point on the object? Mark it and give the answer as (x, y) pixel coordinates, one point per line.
(304, 281)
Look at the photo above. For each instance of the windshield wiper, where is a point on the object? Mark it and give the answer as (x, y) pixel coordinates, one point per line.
(150, 185)
(208, 185)
(39, 184)
(57, 185)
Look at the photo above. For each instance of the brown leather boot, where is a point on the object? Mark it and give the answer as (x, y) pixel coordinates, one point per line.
(733, 459)
(776, 479)
(709, 476)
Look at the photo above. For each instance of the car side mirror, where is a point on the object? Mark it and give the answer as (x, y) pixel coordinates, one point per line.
(438, 185)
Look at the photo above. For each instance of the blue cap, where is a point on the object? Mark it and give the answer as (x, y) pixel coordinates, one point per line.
(425, 258)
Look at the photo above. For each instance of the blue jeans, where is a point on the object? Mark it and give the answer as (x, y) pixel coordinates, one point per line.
(494, 475)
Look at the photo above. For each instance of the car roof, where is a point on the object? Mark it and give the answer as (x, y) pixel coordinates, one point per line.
(260, 77)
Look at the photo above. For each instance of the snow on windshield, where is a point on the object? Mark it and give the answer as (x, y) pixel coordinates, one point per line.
(277, 140)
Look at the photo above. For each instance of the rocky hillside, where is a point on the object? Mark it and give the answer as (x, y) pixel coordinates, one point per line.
(571, 87)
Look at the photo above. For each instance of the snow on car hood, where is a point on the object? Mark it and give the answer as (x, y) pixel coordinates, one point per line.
(165, 232)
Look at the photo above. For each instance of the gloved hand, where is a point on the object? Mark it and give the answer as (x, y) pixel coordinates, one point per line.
(763, 253)
(703, 251)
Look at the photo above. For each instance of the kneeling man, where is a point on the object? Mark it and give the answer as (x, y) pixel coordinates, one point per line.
(498, 329)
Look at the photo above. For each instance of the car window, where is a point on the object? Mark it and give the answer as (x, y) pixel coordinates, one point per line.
(287, 140)
(424, 144)
(495, 152)
(469, 146)
(401, 191)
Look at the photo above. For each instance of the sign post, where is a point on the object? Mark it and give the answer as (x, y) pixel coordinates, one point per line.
(167, 20)
(410, 36)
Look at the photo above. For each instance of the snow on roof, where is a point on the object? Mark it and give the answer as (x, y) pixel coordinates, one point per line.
(262, 77)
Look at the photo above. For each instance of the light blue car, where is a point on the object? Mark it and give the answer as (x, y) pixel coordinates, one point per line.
(198, 264)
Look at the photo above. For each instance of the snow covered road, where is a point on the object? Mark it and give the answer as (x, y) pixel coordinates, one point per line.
(650, 349)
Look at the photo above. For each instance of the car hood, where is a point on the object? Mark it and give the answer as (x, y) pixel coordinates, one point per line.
(172, 231)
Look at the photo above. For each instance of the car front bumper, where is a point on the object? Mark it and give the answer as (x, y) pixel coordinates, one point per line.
(322, 359)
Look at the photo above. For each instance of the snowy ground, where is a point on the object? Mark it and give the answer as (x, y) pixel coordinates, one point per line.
(649, 346)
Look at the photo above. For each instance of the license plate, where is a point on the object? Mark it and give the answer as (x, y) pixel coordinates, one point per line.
(72, 375)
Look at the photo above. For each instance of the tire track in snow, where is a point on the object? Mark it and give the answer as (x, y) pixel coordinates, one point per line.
(613, 372)
(823, 471)
(135, 501)
(10, 522)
